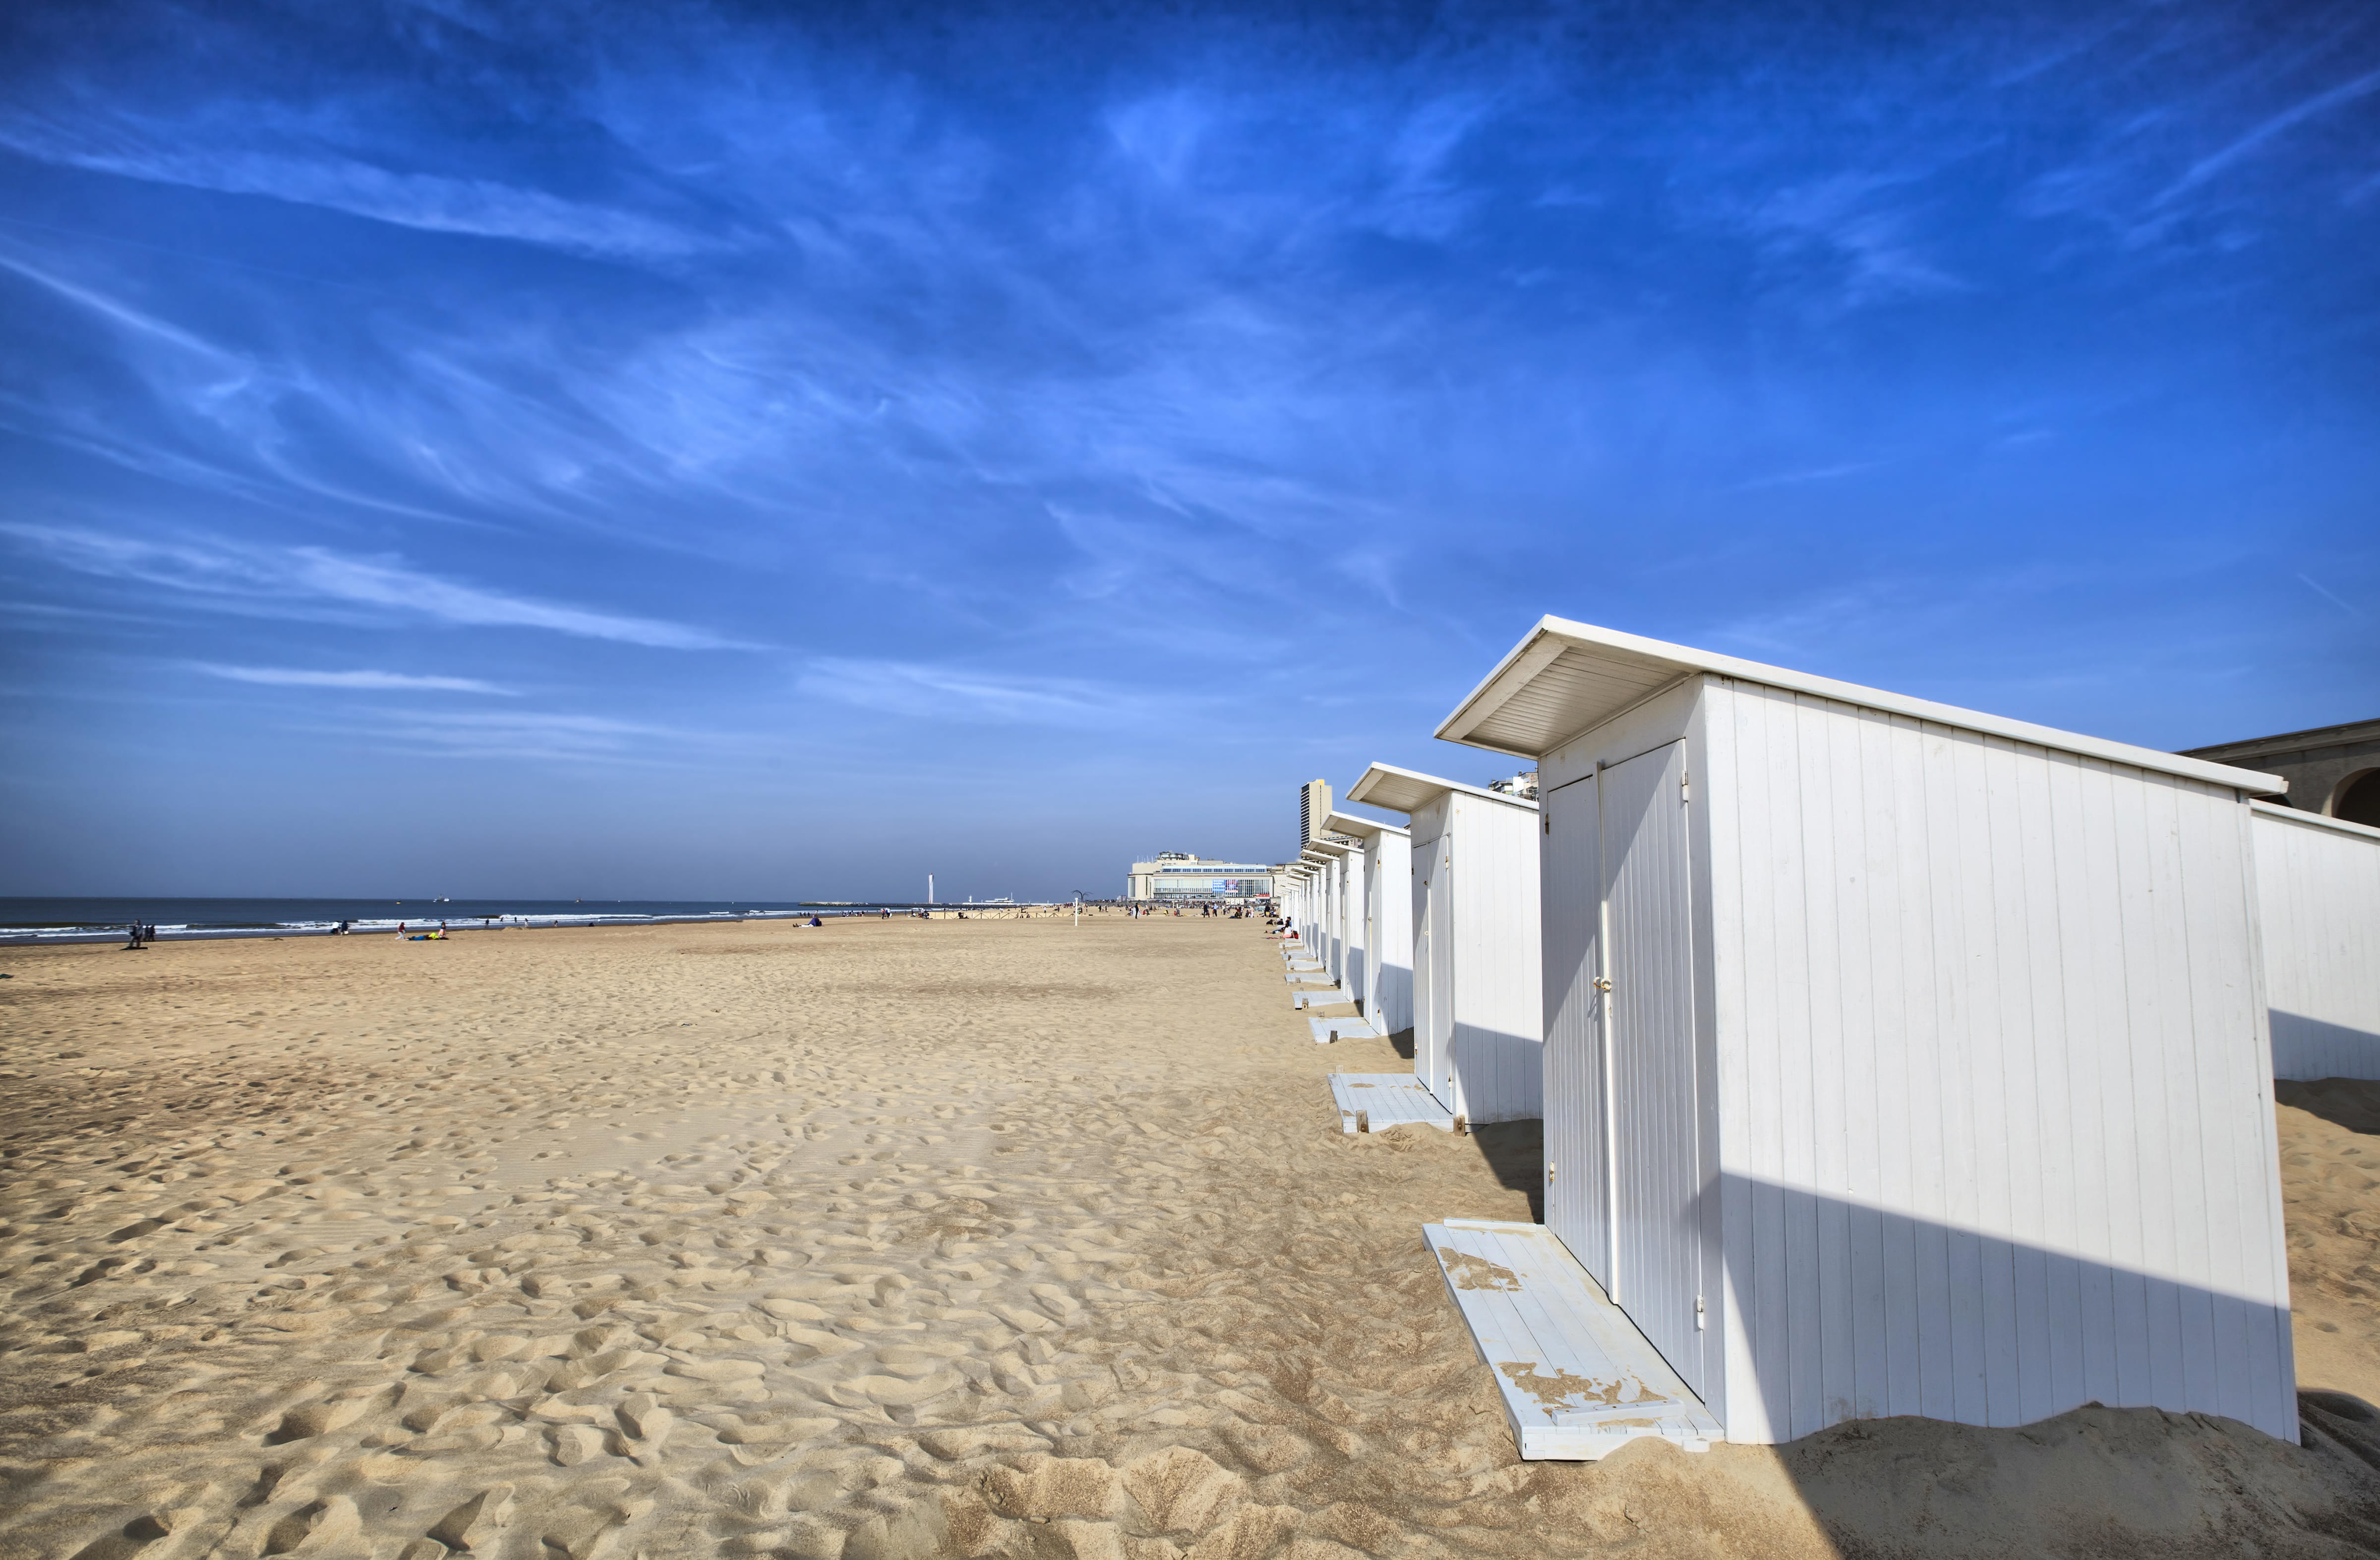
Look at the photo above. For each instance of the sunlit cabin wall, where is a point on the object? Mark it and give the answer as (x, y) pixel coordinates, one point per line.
(1983, 1075)
(2318, 890)
(1477, 1030)
(1387, 900)
(1354, 948)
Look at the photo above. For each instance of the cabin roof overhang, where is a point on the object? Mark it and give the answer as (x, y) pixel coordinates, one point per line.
(2316, 820)
(1362, 828)
(1396, 789)
(1566, 678)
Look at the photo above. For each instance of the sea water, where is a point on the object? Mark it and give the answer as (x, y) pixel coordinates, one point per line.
(59, 920)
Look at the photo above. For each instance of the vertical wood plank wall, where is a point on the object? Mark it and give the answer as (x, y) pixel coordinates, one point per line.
(1388, 876)
(1356, 954)
(1996, 1137)
(1577, 1139)
(2318, 887)
(1571, 872)
(1433, 969)
(1499, 997)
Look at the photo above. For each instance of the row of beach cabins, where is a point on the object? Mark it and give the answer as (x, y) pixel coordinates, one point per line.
(1893, 1059)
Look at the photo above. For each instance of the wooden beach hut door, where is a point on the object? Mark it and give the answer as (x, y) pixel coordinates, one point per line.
(1577, 1149)
(1649, 1036)
(1434, 967)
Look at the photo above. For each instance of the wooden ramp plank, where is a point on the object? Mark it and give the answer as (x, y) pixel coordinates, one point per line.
(1578, 1380)
(1327, 1029)
(1325, 998)
(1376, 1101)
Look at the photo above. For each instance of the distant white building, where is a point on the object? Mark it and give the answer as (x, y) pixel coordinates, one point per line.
(1178, 874)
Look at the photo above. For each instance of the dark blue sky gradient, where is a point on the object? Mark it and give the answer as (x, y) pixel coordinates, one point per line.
(729, 452)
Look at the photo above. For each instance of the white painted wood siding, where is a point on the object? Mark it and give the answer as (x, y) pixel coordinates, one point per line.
(1657, 1186)
(1355, 926)
(2318, 889)
(1388, 879)
(1433, 919)
(1578, 1148)
(1995, 1127)
(1499, 1044)
(1333, 943)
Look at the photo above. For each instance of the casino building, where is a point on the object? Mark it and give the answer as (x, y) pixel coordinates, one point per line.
(1177, 875)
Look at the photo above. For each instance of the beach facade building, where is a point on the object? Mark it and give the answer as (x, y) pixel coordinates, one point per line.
(1899, 1059)
(2318, 896)
(1313, 807)
(1380, 913)
(2333, 770)
(1178, 877)
(1476, 1029)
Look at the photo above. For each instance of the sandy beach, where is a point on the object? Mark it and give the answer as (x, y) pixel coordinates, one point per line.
(899, 1238)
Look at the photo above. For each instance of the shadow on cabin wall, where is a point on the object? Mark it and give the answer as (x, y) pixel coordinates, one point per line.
(1515, 1151)
(2306, 1048)
(1859, 1313)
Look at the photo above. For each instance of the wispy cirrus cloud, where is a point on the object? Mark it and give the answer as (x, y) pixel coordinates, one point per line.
(364, 680)
(257, 578)
(576, 739)
(1852, 223)
(478, 207)
(2297, 113)
(939, 693)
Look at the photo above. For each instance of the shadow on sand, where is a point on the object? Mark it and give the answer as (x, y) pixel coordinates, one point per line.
(2351, 1103)
(1517, 1151)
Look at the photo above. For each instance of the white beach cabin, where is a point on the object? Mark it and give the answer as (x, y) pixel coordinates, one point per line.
(1343, 873)
(2318, 892)
(1900, 1059)
(1322, 944)
(1379, 908)
(1296, 893)
(1476, 992)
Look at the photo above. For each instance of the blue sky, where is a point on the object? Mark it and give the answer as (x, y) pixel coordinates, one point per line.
(731, 451)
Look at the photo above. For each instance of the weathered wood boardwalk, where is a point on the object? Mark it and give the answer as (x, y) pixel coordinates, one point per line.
(1578, 1380)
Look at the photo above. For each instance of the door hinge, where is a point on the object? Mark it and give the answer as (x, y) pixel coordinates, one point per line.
(1685, 787)
(1700, 1325)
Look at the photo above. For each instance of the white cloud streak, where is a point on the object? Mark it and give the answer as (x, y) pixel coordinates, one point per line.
(474, 207)
(252, 576)
(936, 693)
(576, 739)
(2288, 119)
(393, 682)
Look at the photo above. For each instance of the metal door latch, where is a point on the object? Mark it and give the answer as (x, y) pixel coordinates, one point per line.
(1602, 983)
